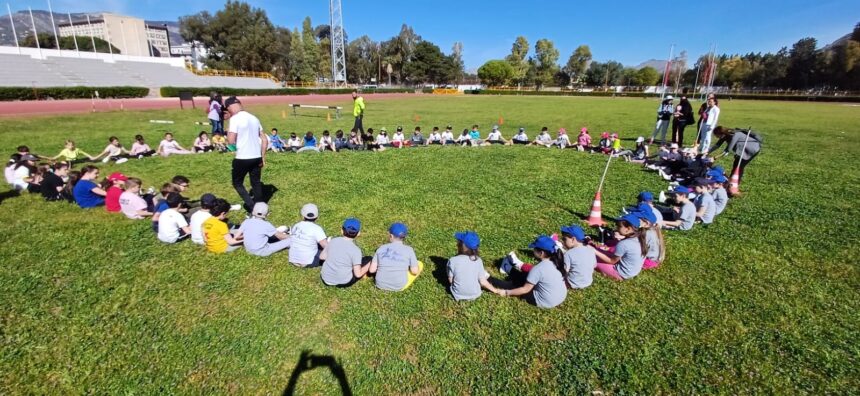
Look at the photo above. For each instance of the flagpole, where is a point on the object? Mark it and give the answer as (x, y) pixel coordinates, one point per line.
(666, 72)
(92, 37)
(74, 34)
(14, 34)
(35, 32)
(54, 25)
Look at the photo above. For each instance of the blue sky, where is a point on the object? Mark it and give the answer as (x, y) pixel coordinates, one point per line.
(627, 31)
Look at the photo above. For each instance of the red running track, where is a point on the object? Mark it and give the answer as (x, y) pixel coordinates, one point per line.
(70, 106)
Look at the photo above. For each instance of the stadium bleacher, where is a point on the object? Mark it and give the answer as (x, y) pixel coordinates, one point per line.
(26, 71)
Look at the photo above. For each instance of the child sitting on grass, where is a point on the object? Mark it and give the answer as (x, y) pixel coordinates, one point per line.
(168, 146)
(140, 149)
(342, 260)
(464, 139)
(544, 139)
(398, 140)
(395, 264)
(579, 260)
(276, 143)
(521, 137)
(466, 273)
(219, 142)
(262, 239)
(207, 202)
(706, 209)
(294, 143)
(202, 144)
(653, 236)
(583, 141)
(172, 226)
(72, 154)
(160, 204)
(447, 136)
(626, 258)
(52, 185)
(117, 181)
(216, 233)
(495, 137)
(326, 142)
(435, 137)
(310, 143)
(307, 237)
(562, 140)
(114, 152)
(605, 143)
(131, 203)
(544, 285)
(680, 218)
(417, 138)
(87, 193)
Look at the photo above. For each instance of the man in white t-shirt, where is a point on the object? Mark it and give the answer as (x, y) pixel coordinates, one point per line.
(246, 134)
(307, 239)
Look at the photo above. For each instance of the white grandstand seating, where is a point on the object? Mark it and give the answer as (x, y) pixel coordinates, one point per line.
(58, 71)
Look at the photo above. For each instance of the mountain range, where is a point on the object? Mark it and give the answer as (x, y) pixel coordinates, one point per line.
(24, 28)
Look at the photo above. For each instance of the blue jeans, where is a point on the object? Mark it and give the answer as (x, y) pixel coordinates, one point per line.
(217, 126)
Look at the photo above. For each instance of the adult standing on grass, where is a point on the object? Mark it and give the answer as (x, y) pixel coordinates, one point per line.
(246, 134)
(708, 126)
(683, 116)
(358, 111)
(744, 144)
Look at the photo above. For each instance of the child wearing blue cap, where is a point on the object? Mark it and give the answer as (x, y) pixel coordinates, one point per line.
(718, 191)
(706, 209)
(466, 273)
(342, 266)
(682, 217)
(395, 264)
(626, 260)
(579, 259)
(544, 286)
(653, 236)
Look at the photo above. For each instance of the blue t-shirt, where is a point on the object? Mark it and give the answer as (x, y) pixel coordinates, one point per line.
(84, 195)
(312, 142)
(161, 207)
(475, 134)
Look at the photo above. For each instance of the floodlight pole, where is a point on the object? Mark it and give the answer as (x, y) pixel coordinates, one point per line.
(666, 74)
(14, 33)
(338, 48)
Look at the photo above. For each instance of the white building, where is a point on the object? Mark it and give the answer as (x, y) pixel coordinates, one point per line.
(130, 35)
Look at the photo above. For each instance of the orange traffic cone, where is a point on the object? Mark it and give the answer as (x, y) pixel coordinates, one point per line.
(595, 219)
(735, 182)
(501, 120)
(417, 118)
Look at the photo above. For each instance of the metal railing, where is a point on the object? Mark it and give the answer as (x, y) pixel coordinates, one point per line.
(233, 73)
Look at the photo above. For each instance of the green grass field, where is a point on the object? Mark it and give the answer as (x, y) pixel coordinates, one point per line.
(764, 301)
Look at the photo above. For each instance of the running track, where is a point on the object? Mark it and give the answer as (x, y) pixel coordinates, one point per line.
(71, 106)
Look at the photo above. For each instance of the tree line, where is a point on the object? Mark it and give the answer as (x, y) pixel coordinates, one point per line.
(241, 37)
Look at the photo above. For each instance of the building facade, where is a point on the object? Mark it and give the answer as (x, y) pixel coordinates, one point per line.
(130, 35)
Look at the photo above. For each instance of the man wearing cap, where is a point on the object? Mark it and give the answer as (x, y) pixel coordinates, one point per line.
(358, 111)
(342, 265)
(246, 134)
(308, 239)
(664, 116)
(261, 237)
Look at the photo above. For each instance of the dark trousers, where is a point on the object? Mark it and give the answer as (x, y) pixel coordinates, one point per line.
(242, 168)
(741, 164)
(678, 132)
(358, 126)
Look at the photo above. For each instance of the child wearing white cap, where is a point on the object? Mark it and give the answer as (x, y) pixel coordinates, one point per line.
(521, 137)
(307, 239)
(495, 137)
(261, 237)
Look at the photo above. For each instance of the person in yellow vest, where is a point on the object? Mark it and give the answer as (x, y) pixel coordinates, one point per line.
(358, 111)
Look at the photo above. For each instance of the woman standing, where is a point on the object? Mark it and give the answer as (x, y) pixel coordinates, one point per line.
(215, 114)
(744, 144)
(708, 126)
(683, 116)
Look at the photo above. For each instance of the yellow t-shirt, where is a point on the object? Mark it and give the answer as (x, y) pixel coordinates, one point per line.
(71, 155)
(213, 233)
(616, 145)
(218, 139)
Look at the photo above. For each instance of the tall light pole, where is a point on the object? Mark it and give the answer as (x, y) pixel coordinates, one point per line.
(338, 49)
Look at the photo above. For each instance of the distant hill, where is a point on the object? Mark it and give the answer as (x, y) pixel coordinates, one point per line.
(658, 64)
(24, 28)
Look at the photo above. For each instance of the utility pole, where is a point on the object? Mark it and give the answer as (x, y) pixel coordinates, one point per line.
(338, 49)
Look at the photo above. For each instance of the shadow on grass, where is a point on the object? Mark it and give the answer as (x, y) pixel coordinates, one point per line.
(269, 191)
(308, 362)
(8, 194)
(440, 270)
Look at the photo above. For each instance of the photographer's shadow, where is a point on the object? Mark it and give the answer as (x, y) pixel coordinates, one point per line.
(308, 362)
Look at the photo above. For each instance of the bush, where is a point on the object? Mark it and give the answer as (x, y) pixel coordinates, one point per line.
(793, 98)
(173, 92)
(30, 93)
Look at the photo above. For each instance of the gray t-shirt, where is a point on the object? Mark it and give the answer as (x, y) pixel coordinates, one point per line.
(580, 262)
(688, 216)
(721, 199)
(343, 254)
(257, 233)
(707, 201)
(393, 262)
(653, 242)
(467, 276)
(631, 262)
(549, 288)
(657, 214)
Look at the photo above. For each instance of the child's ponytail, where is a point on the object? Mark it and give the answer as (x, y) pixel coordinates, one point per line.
(557, 258)
(662, 242)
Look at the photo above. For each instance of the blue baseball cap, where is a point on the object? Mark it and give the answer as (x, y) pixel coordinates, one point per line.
(682, 190)
(470, 239)
(352, 224)
(631, 218)
(399, 230)
(544, 243)
(718, 179)
(575, 231)
(646, 196)
(644, 211)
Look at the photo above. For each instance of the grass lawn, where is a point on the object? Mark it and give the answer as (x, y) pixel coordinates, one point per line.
(763, 301)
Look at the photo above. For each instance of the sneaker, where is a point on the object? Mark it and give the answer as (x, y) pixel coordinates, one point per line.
(662, 197)
(122, 160)
(664, 175)
(235, 207)
(518, 264)
(150, 190)
(106, 160)
(674, 184)
(140, 156)
(506, 265)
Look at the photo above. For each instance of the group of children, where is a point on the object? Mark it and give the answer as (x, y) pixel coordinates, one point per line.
(565, 260)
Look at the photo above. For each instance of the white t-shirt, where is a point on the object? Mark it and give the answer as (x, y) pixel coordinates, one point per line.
(247, 129)
(325, 141)
(522, 137)
(447, 135)
(398, 137)
(20, 174)
(169, 224)
(381, 139)
(113, 151)
(130, 204)
(297, 142)
(304, 246)
(196, 224)
(434, 137)
(168, 145)
(495, 135)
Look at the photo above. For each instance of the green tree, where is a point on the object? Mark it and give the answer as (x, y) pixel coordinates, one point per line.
(428, 64)
(577, 63)
(312, 51)
(361, 60)
(517, 60)
(645, 77)
(604, 74)
(238, 37)
(802, 63)
(495, 73)
(85, 43)
(545, 62)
